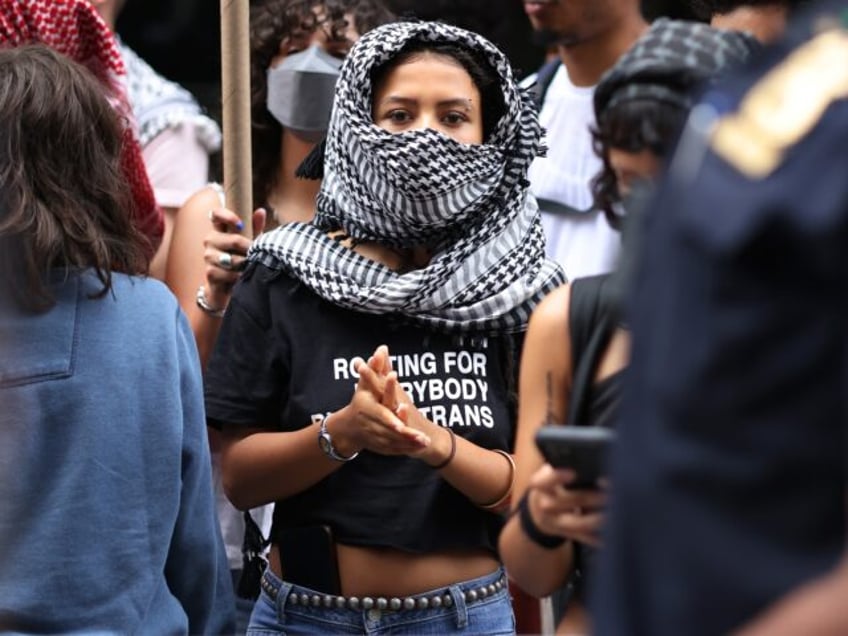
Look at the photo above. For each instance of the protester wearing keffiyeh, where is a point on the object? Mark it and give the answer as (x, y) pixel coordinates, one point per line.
(670, 62)
(468, 204)
(75, 29)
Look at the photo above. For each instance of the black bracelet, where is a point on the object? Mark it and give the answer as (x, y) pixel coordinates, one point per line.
(547, 541)
(451, 454)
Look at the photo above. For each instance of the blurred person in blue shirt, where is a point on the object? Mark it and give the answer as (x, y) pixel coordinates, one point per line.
(107, 522)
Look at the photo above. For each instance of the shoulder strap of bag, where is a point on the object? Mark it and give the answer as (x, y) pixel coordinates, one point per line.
(543, 80)
(591, 323)
(253, 563)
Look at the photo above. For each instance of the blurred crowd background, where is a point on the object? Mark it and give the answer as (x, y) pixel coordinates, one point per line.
(181, 38)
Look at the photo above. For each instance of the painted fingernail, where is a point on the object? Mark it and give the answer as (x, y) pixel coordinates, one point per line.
(240, 225)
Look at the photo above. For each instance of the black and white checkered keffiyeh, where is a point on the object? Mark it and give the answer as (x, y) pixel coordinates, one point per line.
(159, 104)
(469, 204)
(670, 61)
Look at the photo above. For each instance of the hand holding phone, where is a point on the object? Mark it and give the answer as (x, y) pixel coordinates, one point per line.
(583, 449)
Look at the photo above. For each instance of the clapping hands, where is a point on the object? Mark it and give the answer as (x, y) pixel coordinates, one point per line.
(384, 419)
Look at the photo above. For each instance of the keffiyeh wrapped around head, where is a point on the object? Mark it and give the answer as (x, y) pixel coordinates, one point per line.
(75, 29)
(469, 204)
(670, 61)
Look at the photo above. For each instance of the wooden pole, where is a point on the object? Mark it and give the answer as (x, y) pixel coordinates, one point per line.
(235, 102)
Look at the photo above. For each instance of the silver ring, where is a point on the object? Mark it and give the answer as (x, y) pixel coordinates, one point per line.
(225, 260)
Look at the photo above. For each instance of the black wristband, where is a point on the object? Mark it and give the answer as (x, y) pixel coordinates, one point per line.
(547, 541)
(451, 453)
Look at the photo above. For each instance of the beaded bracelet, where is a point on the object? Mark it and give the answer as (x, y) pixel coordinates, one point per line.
(542, 539)
(451, 454)
(503, 499)
(206, 308)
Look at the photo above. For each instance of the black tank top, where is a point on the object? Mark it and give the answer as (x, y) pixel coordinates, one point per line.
(592, 321)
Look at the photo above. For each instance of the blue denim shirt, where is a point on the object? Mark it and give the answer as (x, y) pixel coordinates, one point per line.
(107, 519)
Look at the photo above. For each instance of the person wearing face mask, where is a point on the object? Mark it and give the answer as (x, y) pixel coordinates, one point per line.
(577, 346)
(300, 92)
(297, 49)
(426, 256)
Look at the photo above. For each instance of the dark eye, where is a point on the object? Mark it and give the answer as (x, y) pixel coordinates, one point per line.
(397, 116)
(454, 118)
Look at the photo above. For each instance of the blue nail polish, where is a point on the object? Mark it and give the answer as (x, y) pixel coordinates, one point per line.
(240, 226)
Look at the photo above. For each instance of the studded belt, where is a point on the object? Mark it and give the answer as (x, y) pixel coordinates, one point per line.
(394, 604)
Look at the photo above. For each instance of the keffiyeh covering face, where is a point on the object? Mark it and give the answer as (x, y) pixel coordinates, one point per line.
(75, 29)
(468, 203)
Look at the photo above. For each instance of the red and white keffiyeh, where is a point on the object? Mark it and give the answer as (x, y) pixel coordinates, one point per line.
(75, 29)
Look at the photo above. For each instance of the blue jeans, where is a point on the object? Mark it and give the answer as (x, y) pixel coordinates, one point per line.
(278, 610)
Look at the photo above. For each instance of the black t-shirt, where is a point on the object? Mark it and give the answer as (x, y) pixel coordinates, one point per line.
(284, 354)
(729, 476)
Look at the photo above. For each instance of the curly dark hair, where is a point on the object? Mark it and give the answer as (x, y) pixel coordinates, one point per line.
(484, 76)
(632, 126)
(271, 22)
(64, 201)
(705, 9)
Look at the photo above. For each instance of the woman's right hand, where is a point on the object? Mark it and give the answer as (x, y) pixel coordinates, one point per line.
(371, 421)
(225, 252)
(575, 514)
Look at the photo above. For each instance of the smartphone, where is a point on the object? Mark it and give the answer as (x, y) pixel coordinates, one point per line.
(308, 558)
(584, 449)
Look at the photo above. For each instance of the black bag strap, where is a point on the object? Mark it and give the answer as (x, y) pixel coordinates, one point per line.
(253, 563)
(543, 80)
(592, 320)
(563, 209)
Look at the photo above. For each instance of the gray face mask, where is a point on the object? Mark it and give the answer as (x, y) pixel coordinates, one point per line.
(301, 90)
